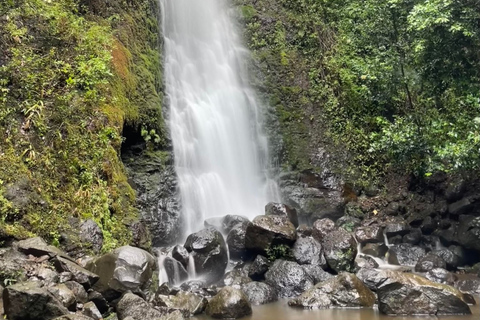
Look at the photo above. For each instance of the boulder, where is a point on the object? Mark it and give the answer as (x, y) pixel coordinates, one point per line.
(468, 234)
(348, 223)
(429, 262)
(79, 274)
(441, 276)
(340, 250)
(236, 241)
(229, 303)
(344, 291)
(91, 310)
(266, 231)
(14, 265)
(471, 286)
(307, 250)
(47, 275)
(413, 237)
(37, 247)
(27, 301)
(279, 209)
(316, 273)
(288, 278)
(364, 261)
(462, 206)
(410, 294)
(209, 253)
(187, 302)
(369, 234)
(405, 254)
(64, 295)
(78, 291)
(181, 254)
(175, 270)
(236, 278)
(397, 228)
(126, 268)
(259, 293)
(322, 227)
(99, 300)
(230, 221)
(131, 305)
(258, 268)
(91, 233)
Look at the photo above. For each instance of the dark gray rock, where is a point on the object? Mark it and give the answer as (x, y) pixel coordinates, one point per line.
(258, 268)
(91, 310)
(266, 231)
(37, 247)
(236, 278)
(307, 250)
(27, 301)
(175, 270)
(230, 221)
(209, 253)
(455, 190)
(462, 206)
(471, 286)
(397, 227)
(340, 250)
(441, 276)
(91, 233)
(364, 261)
(236, 241)
(99, 300)
(280, 209)
(410, 294)
(126, 268)
(316, 273)
(193, 285)
(468, 234)
(369, 234)
(322, 227)
(259, 293)
(181, 254)
(47, 275)
(288, 278)
(14, 265)
(344, 290)
(141, 237)
(63, 294)
(79, 274)
(413, 237)
(429, 262)
(229, 303)
(405, 254)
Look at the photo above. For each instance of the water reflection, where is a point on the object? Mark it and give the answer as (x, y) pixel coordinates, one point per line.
(280, 310)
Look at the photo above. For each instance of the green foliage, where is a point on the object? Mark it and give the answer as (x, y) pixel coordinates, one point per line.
(279, 251)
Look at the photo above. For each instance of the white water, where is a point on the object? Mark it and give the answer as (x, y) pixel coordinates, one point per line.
(221, 153)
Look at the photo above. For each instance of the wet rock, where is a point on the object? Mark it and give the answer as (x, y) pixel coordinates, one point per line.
(27, 301)
(307, 250)
(229, 303)
(405, 254)
(451, 259)
(348, 223)
(193, 285)
(344, 290)
(259, 293)
(265, 231)
(288, 278)
(304, 231)
(410, 294)
(279, 209)
(441, 276)
(230, 221)
(91, 233)
(413, 237)
(395, 228)
(91, 310)
(175, 270)
(375, 249)
(214, 222)
(236, 278)
(322, 227)
(236, 241)
(316, 273)
(471, 286)
(79, 274)
(37, 247)
(429, 262)
(460, 207)
(131, 305)
(258, 268)
(340, 250)
(187, 302)
(181, 254)
(209, 253)
(363, 261)
(63, 294)
(369, 234)
(125, 268)
(78, 291)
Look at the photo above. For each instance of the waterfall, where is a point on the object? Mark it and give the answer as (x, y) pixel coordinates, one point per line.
(215, 119)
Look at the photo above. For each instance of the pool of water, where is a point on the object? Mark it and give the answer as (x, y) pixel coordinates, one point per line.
(280, 310)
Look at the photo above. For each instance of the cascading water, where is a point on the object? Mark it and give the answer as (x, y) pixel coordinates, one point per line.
(221, 153)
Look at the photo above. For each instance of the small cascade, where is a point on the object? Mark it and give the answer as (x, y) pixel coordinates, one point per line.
(192, 273)
(385, 239)
(382, 264)
(162, 272)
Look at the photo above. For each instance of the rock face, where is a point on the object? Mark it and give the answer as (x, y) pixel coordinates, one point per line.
(340, 250)
(409, 294)
(307, 250)
(265, 231)
(259, 293)
(91, 233)
(209, 253)
(229, 303)
(344, 290)
(279, 209)
(27, 301)
(288, 278)
(126, 268)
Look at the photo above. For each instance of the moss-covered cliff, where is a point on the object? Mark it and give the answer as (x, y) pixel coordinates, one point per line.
(72, 75)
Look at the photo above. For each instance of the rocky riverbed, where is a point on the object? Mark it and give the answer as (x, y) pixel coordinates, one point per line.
(327, 265)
